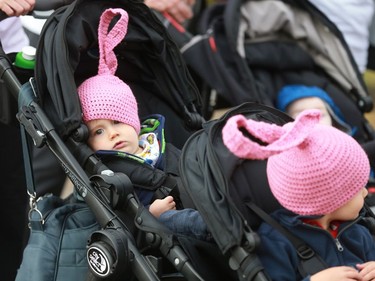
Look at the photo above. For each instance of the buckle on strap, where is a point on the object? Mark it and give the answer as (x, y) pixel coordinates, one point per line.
(305, 252)
(34, 209)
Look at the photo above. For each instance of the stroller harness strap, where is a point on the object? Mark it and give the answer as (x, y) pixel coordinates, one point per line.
(310, 262)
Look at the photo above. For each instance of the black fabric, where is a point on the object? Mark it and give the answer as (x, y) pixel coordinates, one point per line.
(13, 202)
(250, 184)
(207, 260)
(369, 148)
(164, 181)
(371, 57)
(218, 182)
(142, 175)
(49, 176)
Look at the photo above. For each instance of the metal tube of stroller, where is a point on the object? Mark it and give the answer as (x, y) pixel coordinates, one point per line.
(174, 253)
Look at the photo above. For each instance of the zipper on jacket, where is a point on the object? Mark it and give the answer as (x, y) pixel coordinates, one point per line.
(338, 245)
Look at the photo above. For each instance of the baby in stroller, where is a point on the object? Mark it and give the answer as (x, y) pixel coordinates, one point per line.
(318, 174)
(110, 112)
(293, 99)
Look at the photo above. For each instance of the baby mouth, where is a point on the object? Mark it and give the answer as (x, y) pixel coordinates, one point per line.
(119, 145)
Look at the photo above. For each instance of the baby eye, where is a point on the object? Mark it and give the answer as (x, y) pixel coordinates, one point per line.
(98, 132)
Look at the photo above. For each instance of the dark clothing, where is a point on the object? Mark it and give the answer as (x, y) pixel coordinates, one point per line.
(354, 244)
(13, 202)
(49, 176)
(186, 222)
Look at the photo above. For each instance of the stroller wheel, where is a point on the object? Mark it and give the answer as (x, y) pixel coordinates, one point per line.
(106, 250)
(101, 259)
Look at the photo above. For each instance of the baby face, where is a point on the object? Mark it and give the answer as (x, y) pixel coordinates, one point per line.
(310, 103)
(112, 135)
(351, 209)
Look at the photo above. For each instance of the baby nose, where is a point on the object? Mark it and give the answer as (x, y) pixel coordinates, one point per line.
(113, 133)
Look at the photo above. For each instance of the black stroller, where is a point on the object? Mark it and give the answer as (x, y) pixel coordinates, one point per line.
(50, 113)
(234, 197)
(248, 50)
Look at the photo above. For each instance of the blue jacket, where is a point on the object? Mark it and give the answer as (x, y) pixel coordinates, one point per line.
(354, 244)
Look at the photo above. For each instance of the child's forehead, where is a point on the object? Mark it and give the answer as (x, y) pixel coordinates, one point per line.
(314, 99)
(308, 103)
(98, 122)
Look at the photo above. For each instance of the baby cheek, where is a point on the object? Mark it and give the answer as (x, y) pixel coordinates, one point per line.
(95, 143)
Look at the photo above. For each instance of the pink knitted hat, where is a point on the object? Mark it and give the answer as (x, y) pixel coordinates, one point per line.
(312, 169)
(105, 96)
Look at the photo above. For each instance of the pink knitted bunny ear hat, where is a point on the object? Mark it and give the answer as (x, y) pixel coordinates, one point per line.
(105, 96)
(312, 169)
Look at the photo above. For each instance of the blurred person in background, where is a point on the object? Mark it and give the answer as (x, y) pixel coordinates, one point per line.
(353, 18)
(180, 10)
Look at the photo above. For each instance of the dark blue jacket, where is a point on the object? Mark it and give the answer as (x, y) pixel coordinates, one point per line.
(354, 244)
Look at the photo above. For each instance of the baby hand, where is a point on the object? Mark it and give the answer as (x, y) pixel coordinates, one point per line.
(367, 270)
(16, 7)
(160, 206)
(338, 273)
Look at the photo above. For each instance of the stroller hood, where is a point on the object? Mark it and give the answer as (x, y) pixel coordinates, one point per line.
(217, 180)
(148, 61)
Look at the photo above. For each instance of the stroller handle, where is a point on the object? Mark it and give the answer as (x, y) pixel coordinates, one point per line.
(7, 74)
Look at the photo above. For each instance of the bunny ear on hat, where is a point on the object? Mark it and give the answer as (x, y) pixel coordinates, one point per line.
(106, 96)
(109, 39)
(277, 138)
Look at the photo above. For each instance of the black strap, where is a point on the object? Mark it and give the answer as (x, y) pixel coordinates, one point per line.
(27, 164)
(25, 97)
(310, 262)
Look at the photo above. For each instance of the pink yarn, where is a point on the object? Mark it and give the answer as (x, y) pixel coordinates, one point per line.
(105, 96)
(312, 169)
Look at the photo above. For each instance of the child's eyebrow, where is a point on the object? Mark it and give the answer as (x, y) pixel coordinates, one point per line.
(95, 127)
